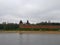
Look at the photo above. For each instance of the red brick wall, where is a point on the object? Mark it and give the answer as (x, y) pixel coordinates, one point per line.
(39, 26)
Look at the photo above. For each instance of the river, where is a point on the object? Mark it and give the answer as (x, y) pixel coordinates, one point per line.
(29, 39)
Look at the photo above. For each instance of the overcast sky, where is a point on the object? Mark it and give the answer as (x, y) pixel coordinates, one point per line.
(12, 11)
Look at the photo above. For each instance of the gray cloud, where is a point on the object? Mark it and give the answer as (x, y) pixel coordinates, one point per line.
(32, 10)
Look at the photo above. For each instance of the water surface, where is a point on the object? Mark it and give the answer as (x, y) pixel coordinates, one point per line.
(29, 39)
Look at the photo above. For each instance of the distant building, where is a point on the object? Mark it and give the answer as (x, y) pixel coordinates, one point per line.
(28, 25)
(27, 22)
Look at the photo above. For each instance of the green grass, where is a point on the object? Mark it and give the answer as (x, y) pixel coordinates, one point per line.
(32, 29)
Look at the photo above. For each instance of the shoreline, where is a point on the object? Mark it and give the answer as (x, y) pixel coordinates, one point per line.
(32, 32)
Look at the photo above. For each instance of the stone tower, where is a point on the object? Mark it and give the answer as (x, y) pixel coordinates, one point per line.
(20, 23)
(27, 22)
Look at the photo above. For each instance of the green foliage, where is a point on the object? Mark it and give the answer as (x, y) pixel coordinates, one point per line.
(38, 29)
(15, 27)
(8, 26)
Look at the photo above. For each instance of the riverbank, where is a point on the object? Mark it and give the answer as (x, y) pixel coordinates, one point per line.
(32, 32)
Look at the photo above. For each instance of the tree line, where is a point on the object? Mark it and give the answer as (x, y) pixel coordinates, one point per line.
(9, 26)
(44, 23)
(15, 26)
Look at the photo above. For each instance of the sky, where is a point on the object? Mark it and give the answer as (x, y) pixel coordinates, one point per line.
(12, 11)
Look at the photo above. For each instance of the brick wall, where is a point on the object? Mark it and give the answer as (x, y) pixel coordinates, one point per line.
(39, 26)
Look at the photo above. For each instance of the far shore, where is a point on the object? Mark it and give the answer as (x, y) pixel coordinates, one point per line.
(32, 32)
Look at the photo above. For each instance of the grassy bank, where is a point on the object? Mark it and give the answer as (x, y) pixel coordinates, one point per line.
(32, 32)
(39, 29)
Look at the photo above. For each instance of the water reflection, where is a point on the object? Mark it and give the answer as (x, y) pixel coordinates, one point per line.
(39, 39)
(24, 39)
(9, 39)
(29, 39)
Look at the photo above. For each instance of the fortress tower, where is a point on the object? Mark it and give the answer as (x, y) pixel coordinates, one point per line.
(20, 23)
